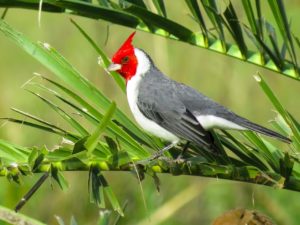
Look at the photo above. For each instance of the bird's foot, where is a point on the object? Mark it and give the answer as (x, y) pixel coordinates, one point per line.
(157, 155)
(179, 159)
(180, 156)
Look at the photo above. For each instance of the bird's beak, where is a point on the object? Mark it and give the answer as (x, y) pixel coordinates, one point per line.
(114, 67)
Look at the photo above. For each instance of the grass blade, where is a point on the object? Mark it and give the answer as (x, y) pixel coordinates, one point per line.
(278, 10)
(174, 29)
(195, 10)
(97, 12)
(235, 29)
(160, 7)
(92, 140)
(105, 60)
(116, 14)
(250, 16)
(77, 126)
(132, 143)
(50, 58)
(274, 100)
(9, 152)
(112, 197)
(38, 120)
(58, 177)
(263, 150)
(12, 217)
(212, 11)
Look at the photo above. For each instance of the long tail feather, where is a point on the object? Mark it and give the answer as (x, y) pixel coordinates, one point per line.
(255, 127)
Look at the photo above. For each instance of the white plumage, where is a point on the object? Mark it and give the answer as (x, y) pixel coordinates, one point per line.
(132, 97)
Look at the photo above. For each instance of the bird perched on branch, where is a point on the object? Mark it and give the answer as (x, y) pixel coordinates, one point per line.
(172, 110)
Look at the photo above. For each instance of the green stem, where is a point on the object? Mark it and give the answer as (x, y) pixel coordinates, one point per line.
(248, 174)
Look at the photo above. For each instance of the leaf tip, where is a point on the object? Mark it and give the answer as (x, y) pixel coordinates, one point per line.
(46, 46)
(257, 77)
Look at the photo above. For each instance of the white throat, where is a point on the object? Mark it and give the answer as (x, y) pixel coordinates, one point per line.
(132, 90)
(143, 63)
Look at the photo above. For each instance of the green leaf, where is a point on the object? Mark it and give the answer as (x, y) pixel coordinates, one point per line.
(286, 166)
(65, 71)
(263, 150)
(242, 151)
(64, 115)
(59, 178)
(9, 152)
(32, 157)
(104, 217)
(139, 3)
(105, 60)
(97, 12)
(104, 3)
(34, 125)
(160, 7)
(111, 196)
(278, 106)
(211, 9)
(4, 14)
(38, 161)
(175, 29)
(275, 62)
(95, 185)
(141, 18)
(195, 10)
(73, 221)
(278, 11)
(29, 4)
(272, 36)
(250, 15)
(99, 186)
(235, 29)
(12, 217)
(59, 220)
(260, 19)
(35, 118)
(92, 140)
(132, 142)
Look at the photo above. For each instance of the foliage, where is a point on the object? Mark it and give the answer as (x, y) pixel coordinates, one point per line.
(271, 54)
(116, 143)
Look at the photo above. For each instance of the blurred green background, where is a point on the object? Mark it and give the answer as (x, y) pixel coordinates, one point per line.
(187, 200)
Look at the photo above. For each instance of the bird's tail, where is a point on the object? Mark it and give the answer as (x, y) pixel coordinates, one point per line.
(260, 129)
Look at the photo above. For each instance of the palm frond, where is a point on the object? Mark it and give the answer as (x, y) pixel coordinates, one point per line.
(255, 153)
(118, 144)
(137, 15)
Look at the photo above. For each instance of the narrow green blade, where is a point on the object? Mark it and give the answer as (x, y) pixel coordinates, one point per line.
(92, 141)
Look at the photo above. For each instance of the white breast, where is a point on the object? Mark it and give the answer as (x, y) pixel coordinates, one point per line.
(132, 96)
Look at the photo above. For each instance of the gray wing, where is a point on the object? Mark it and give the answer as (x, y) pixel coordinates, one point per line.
(163, 106)
(199, 104)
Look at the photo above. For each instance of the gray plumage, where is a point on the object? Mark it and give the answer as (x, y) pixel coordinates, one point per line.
(175, 107)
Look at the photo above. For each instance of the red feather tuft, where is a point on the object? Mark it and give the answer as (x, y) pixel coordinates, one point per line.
(126, 49)
(129, 66)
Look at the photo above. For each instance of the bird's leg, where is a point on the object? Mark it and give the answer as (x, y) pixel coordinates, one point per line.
(158, 154)
(185, 148)
(162, 151)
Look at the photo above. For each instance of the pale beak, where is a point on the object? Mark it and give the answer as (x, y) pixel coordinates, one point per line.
(114, 67)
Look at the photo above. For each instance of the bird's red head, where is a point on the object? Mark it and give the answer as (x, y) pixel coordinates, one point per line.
(124, 60)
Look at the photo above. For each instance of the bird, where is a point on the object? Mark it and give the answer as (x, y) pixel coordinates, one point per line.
(171, 110)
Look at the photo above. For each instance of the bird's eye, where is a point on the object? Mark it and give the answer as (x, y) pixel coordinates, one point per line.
(125, 59)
